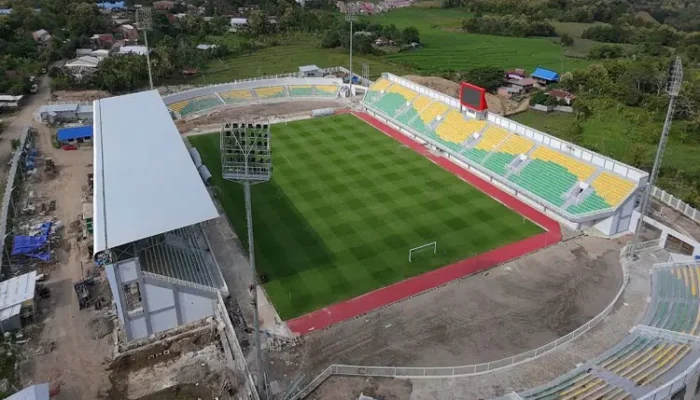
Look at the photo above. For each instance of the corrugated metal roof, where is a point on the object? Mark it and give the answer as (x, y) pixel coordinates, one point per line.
(156, 188)
(308, 68)
(76, 132)
(58, 108)
(546, 74)
(14, 292)
(34, 392)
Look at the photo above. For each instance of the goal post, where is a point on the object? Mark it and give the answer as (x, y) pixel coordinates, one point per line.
(421, 247)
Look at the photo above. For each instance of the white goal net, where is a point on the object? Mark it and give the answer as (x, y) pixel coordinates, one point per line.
(414, 252)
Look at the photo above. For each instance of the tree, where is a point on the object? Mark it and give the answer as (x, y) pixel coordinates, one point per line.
(566, 39)
(120, 73)
(288, 20)
(331, 39)
(538, 98)
(605, 51)
(410, 35)
(257, 21)
(488, 78)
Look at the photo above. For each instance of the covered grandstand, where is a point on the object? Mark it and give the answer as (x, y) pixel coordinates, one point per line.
(579, 187)
(147, 211)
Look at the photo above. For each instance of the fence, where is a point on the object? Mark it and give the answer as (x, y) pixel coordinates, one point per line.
(232, 348)
(25, 141)
(676, 203)
(475, 369)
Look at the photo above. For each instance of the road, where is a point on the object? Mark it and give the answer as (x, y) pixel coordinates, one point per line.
(77, 357)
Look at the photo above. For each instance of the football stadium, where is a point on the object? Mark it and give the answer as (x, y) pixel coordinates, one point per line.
(400, 190)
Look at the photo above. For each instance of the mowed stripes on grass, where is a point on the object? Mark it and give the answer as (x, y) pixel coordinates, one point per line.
(345, 205)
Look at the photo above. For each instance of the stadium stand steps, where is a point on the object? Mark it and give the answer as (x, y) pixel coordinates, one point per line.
(190, 106)
(498, 151)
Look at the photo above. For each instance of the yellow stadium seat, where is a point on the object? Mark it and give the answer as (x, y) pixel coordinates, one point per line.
(454, 128)
(408, 94)
(516, 145)
(237, 95)
(492, 137)
(379, 85)
(268, 92)
(432, 111)
(421, 102)
(611, 188)
(582, 170)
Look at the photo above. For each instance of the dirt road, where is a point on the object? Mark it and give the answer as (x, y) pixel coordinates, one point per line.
(78, 355)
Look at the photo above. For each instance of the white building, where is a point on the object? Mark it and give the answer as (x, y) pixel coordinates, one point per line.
(147, 211)
(16, 300)
(140, 50)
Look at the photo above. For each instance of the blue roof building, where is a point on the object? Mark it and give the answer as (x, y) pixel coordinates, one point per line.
(75, 133)
(545, 75)
(117, 5)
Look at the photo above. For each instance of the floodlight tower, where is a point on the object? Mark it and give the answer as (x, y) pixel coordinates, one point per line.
(350, 17)
(144, 21)
(246, 159)
(673, 87)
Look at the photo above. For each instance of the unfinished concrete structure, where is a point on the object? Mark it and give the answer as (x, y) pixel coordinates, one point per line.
(147, 210)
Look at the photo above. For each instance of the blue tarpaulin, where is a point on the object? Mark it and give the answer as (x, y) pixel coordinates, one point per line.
(546, 74)
(33, 246)
(77, 132)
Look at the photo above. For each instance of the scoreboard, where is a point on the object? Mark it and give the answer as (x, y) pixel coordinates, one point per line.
(472, 96)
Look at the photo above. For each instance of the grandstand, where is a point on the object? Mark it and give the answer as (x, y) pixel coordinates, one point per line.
(193, 102)
(648, 357)
(577, 186)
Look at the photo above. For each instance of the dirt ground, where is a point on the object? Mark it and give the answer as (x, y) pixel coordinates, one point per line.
(67, 346)
(79, 95)
(501, 312)
(254, 111)
(495, 104)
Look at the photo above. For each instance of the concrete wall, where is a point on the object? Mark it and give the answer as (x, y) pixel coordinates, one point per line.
(165, 302)
(665, 232)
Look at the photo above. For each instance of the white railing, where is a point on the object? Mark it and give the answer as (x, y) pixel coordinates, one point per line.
(668, 389)
(17, 158)
(468, 370)
(676, 203)
(329, 70)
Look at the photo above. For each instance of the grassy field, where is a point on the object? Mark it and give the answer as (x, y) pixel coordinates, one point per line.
(287, 58)
(345, 205)
(447, 47)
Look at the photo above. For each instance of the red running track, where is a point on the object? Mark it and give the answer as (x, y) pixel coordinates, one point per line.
(342, 311)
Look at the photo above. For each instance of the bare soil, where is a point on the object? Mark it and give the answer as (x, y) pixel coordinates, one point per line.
(254, 111)
(67, 347)
(495, 314)
(79, 95)
(495, 103)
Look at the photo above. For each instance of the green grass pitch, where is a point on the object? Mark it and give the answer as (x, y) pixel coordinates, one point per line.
(345, 205)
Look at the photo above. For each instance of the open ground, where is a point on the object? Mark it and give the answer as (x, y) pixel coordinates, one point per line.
(318, 241)
(67, 347)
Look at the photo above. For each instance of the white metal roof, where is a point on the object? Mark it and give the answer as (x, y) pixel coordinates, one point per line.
(140, 50)
(9, 98)
(34, 392)
(308, 68)
(145, 180)
(14, 292)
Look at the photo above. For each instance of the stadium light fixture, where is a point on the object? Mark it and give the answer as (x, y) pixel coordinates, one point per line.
(673, 87)
(144, 21)
(350, 17)
(246, 159)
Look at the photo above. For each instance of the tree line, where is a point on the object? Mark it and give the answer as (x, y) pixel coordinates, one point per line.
(508, 25)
